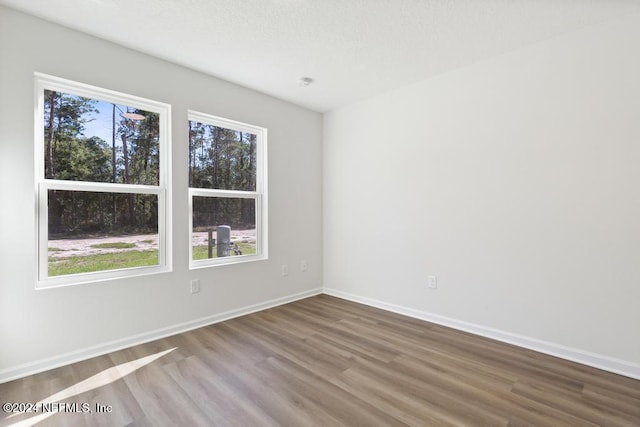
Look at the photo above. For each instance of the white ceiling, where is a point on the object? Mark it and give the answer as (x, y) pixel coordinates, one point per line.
(351, 48)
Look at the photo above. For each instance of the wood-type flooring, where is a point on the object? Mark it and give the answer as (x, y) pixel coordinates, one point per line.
(328, 362)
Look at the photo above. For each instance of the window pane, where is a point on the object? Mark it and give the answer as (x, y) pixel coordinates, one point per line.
(90, 140)
(220, 158)
(223, 227)
(92, 231)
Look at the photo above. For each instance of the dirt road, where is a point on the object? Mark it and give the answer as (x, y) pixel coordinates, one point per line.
(142, 242)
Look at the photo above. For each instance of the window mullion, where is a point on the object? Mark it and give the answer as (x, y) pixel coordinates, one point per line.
(206, 192)
(105, 187)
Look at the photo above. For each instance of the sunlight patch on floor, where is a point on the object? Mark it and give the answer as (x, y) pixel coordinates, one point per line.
(100, 379)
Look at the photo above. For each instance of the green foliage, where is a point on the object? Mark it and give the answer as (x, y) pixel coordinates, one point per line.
(83, 159)
(82, 213)
(131, 157)
(114, 245)
(222, 159)
(76, 264)
(209, 212)
(144, 152)
(101, 262)
(202, 252)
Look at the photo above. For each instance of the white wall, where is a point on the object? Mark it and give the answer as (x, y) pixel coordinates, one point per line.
(516, 181)
(77, 321)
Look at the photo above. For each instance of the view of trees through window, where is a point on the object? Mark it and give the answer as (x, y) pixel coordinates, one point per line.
(92, 141)
(103, 188)
(222, 159)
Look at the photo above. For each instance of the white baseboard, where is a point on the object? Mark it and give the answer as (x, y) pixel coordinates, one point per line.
(606, 363)
(37, 366)
(599, 361)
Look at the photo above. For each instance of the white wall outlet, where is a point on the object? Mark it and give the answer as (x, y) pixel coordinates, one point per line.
(432, 282)
(303, 265)
(285, 270)
(195, 286)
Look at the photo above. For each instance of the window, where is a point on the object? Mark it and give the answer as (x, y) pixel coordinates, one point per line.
(227, 191)
(102, 175)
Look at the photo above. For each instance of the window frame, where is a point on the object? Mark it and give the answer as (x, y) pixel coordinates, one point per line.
(42, 185)
(259, 195)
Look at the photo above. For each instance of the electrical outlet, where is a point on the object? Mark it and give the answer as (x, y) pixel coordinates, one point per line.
(195, 286)
(432, 282)
(285, 270)
(303, 265)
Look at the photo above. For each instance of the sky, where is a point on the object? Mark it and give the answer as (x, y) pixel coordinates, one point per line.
(101, 125)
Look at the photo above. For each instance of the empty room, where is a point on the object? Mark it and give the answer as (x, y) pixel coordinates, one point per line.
(298, 212)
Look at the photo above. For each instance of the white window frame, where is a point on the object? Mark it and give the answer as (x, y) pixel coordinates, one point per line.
(42, 185)
(259, 195)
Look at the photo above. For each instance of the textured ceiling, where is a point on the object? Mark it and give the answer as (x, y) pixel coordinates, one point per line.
(351, 48)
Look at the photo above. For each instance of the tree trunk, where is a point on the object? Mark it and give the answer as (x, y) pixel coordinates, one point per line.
(50, 170)
(113, 167)
(125, 153)
(252, 171)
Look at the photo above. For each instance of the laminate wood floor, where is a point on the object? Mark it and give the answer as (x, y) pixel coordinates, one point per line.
(329, 362)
